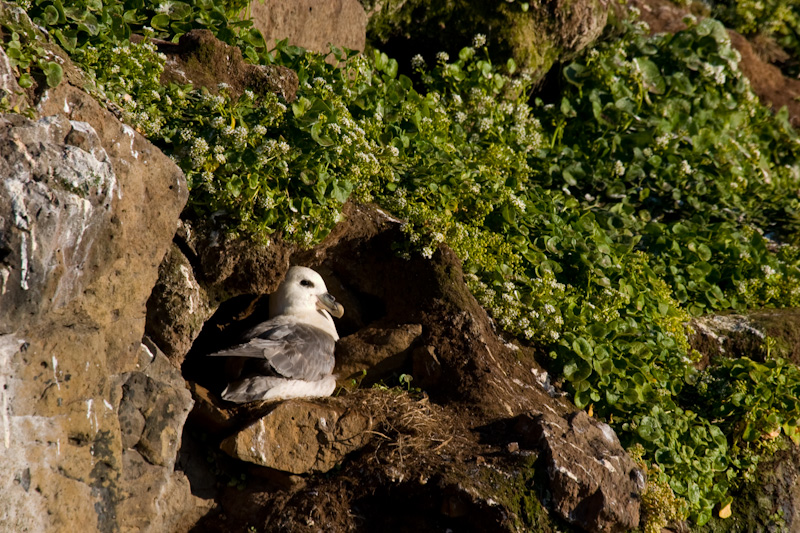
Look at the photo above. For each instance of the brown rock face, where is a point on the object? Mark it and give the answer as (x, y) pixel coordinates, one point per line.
(593, 482)
(203, 60)
(738, 335)
(300, 437)
(312, 24)
(88, 208)
(178, 306)
(374, 352)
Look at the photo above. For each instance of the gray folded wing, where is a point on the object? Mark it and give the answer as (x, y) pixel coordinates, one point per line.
(292, 349)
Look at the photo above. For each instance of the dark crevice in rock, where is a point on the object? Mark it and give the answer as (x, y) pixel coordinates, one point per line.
(188, 252)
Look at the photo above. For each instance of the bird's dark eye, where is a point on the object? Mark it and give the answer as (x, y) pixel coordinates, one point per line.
(307, 283)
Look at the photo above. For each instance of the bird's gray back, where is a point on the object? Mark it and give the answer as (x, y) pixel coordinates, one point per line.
(291, 349)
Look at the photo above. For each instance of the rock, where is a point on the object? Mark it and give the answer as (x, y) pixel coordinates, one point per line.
(156, 500)
(427, 370)
(312, 24)
(556, 30)
(593, 482)
(178, 306)
(300, 437)
(203, 60)
(737, 335)
(153, 410)
(88, 208)
(58, 199)
(207, 412)
(378, 351)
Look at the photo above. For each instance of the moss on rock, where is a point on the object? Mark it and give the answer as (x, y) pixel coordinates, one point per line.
(535, 38)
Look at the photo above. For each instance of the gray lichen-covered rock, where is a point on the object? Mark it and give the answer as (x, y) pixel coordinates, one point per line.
(300, 437)
(737, 335)
(58, 188)
(593, 482)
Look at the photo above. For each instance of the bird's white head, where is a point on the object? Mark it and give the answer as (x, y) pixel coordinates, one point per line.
(303, 293)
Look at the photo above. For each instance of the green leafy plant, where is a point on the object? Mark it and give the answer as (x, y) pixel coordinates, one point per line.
(777, 20)
(28, 56)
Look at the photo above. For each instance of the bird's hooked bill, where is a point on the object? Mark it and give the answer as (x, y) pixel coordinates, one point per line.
(328, 303)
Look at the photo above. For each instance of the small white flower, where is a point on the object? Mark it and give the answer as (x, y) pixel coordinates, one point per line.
(442, 57)
(417, 61)
(200, 146)
(662, 141)
(619, 168)
(479, 40)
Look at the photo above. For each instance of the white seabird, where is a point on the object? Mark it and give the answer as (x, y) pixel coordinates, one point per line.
(295, 346)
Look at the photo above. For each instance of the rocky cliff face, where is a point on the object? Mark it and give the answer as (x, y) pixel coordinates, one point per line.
(110, 418)
(88, 209)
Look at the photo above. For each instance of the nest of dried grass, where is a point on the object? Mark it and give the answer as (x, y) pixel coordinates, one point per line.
(406, 423)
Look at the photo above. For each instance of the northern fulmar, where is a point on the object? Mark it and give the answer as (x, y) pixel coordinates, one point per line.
(294, 348)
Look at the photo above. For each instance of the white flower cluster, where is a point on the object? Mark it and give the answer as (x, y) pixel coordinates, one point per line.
(198, 152)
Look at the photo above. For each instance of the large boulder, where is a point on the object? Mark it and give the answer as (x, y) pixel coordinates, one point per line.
(593, 482)
(312, 24)
(88, 207)
(301, 437)
(452, 453)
